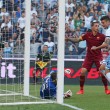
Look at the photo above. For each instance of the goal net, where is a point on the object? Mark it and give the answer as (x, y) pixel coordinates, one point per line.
(27, 25)
(12, 83)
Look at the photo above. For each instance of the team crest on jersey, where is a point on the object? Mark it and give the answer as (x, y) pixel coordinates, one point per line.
(98, 38)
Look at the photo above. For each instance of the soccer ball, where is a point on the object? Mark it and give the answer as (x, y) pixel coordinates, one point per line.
(68, 94)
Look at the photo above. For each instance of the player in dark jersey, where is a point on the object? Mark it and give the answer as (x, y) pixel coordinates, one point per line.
(48, 89)
(93, 38)
(42, 60)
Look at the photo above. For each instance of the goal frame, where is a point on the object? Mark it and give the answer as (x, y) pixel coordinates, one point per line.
(60, 63)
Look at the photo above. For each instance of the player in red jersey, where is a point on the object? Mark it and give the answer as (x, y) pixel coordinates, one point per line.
(93, 38)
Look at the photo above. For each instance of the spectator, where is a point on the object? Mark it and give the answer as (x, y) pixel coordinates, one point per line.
(92, 2)
(50, 45)
(21, 21)
(44, 34)
(33, 12)
(42, 11)
(7, 23)
(11, 43)
(82, 29)
(1, 3)
(72, 25)
(44, 19)
(87, 20)
(14, 18)
(18, 12)
(6, 33)
(3, 12)
(35, 21)
(81, 47)
(7, 51)
(19, 48)
(34, 48)
(73, 50)
(77, 22)
(69, 4)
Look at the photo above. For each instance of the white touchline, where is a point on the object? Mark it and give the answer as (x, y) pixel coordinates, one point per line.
(71, 106)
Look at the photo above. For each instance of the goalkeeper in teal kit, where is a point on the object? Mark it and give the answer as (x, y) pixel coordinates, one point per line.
(48, 89)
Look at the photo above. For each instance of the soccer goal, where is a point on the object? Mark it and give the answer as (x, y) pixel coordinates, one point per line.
(16, 86)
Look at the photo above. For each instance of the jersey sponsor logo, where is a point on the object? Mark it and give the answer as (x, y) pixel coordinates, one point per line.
(98, 38)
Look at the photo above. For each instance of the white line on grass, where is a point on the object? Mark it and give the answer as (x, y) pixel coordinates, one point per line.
(73, 107)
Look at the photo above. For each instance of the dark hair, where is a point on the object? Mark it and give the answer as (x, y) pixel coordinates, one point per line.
(105, 18)
(93, 22)
(54, 75)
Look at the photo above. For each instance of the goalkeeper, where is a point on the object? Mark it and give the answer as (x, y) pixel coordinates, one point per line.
(43, 59)
(49, 86)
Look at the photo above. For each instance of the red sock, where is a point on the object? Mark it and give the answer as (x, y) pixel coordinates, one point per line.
(82, 81)
(104, 80)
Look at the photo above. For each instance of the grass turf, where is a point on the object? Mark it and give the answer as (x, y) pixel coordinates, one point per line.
(94, 98)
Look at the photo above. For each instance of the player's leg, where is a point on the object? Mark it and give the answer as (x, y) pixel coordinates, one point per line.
(82, 81)
(107, 74)
(107, 68)
(34, 75)
(86, 66)
(39, 72)
(36, 69)
(101, 69)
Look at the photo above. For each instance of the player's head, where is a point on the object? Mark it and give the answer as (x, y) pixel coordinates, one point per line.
(53, 75)
(105, 20)
(95, 25)
(45, 48)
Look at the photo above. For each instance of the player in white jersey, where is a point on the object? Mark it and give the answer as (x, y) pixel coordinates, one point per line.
(105, 64)
(105, 20)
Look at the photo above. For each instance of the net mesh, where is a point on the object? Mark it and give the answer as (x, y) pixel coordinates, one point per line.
(12, 84)
(12, 35)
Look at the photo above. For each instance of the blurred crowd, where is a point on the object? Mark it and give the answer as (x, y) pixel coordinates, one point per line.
(44, 24)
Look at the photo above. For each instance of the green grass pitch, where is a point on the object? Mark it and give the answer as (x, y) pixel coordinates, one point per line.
(94, 98)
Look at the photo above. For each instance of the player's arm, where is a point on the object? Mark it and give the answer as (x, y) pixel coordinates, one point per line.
(49, 58)
(38, 57)
(52, 90)
(75, 47)
(105, 44)
(48, 62)
(74, 40)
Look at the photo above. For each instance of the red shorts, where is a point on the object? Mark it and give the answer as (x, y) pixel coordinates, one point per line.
(89, 62)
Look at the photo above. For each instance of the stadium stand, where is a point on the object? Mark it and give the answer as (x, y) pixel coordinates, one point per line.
(44, 24)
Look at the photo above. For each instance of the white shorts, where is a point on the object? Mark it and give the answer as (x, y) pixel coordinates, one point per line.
(106, 62)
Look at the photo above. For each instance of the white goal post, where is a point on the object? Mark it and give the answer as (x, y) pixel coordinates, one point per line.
(27, 47)
(61, 45)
